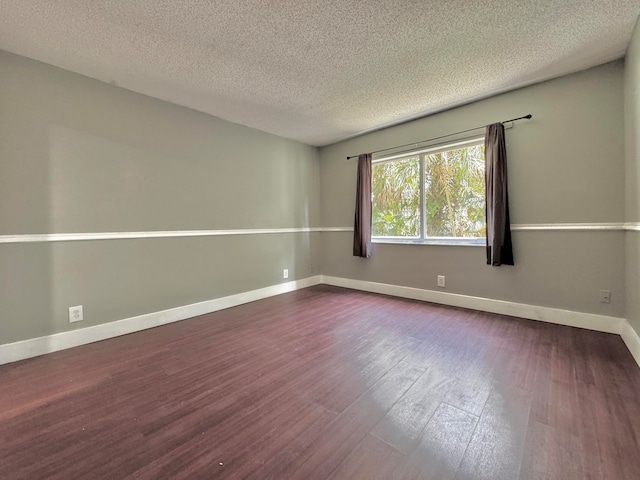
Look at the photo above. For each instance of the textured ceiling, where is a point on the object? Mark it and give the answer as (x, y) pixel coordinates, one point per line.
(319, 71)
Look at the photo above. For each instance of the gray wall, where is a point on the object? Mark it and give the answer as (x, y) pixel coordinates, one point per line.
(566, 165)
(78, 155)
(632, 147)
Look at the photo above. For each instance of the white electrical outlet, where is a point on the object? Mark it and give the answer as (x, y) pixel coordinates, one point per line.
(76, 314)
(441, 283)
(605, 296)
(285, 273)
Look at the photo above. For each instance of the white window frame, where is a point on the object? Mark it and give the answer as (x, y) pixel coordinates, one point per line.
(423, 152)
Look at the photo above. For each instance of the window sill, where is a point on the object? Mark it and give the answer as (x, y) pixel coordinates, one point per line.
(442, 242)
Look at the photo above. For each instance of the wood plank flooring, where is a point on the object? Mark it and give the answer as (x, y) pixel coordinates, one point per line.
(328, 383)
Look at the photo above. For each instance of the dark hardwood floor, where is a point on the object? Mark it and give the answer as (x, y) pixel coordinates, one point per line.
(328, 383)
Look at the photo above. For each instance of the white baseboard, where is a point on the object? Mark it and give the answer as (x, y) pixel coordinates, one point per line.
(632, 341)
(12, 352)
(589, 321)
(34, 347)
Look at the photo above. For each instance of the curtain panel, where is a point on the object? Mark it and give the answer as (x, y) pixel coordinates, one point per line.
(499, 247)
(362, 222)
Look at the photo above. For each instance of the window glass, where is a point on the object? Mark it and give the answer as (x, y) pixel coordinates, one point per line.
(454, 193)
(433, 194)
(395, 189)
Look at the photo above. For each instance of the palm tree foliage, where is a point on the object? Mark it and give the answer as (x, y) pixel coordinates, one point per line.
(454, 199)
(395, 187)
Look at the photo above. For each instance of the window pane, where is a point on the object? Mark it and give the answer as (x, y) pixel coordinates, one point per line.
(454, 193)
(395, 188)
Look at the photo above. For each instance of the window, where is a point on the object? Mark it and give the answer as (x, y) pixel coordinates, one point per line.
(433, 195)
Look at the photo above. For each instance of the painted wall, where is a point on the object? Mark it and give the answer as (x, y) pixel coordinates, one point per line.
(632, 170)
(78, 155)
(566, 165)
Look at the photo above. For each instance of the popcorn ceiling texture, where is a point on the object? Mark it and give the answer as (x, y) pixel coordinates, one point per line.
(319, 71)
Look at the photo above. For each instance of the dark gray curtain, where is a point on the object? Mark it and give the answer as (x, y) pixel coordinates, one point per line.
(362, 224)
(499, 248)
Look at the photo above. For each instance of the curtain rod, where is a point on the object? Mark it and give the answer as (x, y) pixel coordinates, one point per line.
(529, 116)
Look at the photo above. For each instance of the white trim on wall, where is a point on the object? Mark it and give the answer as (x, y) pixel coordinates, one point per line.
(72, 237)
(34, 347)
(589, 321)
(587, 227)
(631, 340)
(12, 352)
(337, 229)
(570, 318)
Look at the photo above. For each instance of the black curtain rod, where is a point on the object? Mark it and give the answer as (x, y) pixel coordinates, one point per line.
(443, 136)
